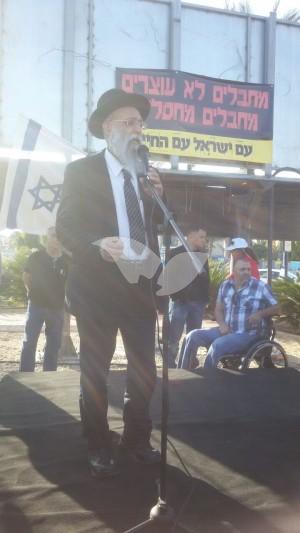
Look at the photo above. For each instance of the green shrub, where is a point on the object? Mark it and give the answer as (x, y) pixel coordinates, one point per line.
(218, 271)
(13, 291)
(288, 294)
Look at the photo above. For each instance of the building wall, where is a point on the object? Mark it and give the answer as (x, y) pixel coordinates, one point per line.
(46, 64)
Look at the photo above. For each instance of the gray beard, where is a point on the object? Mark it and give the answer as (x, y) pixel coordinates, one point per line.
(125, 152)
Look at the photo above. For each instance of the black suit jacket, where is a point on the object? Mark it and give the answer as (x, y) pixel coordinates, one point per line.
(87, 213)
(198, 289)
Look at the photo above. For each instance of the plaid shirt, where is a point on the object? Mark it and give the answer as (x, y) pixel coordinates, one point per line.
(240, 304)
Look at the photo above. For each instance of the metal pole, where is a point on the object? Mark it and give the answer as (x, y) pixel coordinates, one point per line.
(271, 218)
(67, 347)
(90, 65)
(248, 48)
(175, 50)
(270, 236)
(285, 260)
(269, 77)
(198, 259)
(270, 48)
(68, 70)
(175, 35)
(2, 50)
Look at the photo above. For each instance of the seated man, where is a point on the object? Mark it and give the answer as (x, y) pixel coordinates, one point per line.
(243, 304)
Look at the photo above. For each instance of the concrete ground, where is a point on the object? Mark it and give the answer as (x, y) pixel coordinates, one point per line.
(11, 334)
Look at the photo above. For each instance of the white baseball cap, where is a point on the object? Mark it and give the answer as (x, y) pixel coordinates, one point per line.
(236, 243)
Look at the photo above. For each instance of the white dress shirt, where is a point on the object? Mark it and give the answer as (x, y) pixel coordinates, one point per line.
(115, 170)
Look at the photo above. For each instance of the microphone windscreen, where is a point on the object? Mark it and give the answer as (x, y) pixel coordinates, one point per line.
(143, 154)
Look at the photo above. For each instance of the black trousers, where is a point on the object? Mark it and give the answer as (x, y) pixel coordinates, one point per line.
(97, 346)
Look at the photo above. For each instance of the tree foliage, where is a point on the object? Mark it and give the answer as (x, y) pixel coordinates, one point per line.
(243, 6)
(21, 239)
(12, 287)
(13, 292)
(288, 294)
(261, 249)
(218, 271)
(295, 254)
(293, 15)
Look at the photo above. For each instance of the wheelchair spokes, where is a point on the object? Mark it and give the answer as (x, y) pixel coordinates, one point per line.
(231, 362)
(264, 354)
(267, 355)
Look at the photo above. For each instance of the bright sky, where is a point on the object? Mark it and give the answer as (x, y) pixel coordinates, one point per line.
(258, 7)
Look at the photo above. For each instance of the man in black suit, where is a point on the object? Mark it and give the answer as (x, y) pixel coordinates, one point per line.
(107, 216)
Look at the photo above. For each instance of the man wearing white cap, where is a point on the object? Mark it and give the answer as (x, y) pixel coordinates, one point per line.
(240, 249)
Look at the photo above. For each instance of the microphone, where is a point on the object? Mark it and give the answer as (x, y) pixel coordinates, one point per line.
(143, 160)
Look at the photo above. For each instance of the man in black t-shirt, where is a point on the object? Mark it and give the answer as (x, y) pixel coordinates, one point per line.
(187, 305)
(44, 277)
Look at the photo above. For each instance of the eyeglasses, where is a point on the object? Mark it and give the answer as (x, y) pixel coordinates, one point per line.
(131, 122)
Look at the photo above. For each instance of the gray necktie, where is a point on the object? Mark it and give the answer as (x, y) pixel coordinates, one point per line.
(136, 223)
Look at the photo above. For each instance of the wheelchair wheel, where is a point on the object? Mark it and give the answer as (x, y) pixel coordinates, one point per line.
(268, 354)
(233, 362)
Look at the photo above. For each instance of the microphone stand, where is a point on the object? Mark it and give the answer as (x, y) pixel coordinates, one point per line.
(170, 219)
(162, 516)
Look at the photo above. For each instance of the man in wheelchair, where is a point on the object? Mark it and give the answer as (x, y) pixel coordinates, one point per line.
(244, 305)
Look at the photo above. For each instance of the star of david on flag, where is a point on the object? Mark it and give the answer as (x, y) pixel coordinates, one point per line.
(34, 180)
(43, 191)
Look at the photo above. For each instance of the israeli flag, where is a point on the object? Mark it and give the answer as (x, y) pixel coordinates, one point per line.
(34, 178)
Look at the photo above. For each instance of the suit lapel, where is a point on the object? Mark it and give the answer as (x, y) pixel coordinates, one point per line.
(101, 186)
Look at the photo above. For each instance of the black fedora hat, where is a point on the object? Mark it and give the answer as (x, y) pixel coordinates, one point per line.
(112, 100)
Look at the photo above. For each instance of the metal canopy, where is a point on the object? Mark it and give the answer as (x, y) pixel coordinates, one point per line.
(238, 204)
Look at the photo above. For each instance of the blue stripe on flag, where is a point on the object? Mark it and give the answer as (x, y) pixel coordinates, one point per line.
(29, 142)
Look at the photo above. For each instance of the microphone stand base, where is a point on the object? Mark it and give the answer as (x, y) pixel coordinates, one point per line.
(162, 512)
(162, 520)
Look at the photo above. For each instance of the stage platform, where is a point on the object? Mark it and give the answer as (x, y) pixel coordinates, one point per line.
(233, 456)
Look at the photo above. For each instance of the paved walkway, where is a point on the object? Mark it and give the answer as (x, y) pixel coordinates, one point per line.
(14, 320)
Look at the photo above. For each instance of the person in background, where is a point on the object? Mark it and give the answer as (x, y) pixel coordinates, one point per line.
(187, 305)
(242, 308)
(44, 277)
(239, 249)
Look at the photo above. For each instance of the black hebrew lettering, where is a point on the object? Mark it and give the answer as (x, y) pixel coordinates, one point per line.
(156, 141)
(243, 149)
(207, 146)
(223, 147)
(180, 143)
